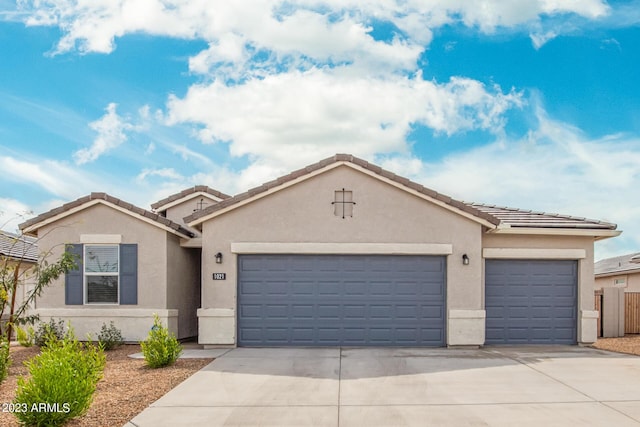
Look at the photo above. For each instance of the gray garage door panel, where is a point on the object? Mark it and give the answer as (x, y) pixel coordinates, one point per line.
(341, 300)
(531, 301)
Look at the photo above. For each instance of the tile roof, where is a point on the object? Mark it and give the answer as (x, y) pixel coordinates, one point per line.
(343, 158)
(18, 247)
(113, 200)
(514, 217)
(187, 192)
(619, 264)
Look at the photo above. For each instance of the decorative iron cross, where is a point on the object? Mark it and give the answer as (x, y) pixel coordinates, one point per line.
(343, 202)
(200, 205)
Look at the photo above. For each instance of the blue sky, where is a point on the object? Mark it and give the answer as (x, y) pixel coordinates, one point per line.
(532, 104)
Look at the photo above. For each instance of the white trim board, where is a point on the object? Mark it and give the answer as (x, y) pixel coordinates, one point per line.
(533, 253)
(342, 248)
(101, 238)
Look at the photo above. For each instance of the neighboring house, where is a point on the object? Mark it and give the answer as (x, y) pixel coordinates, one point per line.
(340, 253)
(21, 252)
(620, 272)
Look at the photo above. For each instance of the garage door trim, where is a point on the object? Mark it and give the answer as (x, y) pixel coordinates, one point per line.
(257, 248)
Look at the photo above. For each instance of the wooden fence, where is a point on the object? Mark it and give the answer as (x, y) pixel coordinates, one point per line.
(631, 312)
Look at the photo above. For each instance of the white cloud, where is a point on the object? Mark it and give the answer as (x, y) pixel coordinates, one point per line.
(291, 32)
(169, 173)
(539, 39)
(294, 118)
(188, 154)
(111, 133)
(51, 176)
(92, 26)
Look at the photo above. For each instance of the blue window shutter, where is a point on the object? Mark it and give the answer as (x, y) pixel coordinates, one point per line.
(129, 274)
(73, 279)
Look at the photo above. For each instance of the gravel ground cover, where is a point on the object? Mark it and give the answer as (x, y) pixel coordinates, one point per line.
(127, 388)
(629, 344)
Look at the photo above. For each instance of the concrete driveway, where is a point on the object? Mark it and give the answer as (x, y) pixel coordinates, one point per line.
(495, 386)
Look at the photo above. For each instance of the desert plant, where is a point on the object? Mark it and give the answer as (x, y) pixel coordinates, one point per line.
(62, 382)
(110, 336)
(26, 337)
(5, 361)
(161, 348)
(48, 331)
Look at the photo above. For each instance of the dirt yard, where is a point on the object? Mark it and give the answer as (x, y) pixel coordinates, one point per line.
(127, 388)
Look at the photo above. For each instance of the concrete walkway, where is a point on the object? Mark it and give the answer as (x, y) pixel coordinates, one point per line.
(498, 386)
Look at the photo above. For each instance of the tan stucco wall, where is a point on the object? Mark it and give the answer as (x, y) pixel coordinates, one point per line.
(100, 219)
(154, 247)
(586, 325)
(304, 213)
(632, 282)
(183, 285)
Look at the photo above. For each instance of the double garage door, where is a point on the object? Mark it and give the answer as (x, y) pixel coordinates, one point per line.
(341, 300)
(373, 300)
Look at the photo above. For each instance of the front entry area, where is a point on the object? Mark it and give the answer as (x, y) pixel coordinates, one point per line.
(341, 300)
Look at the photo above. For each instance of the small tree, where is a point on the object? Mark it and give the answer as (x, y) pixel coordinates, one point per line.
(43, 273)
(10, 279)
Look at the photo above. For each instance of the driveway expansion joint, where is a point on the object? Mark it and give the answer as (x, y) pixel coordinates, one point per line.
(524, 363)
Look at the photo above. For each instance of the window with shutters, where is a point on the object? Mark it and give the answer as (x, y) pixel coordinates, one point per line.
(101, 273)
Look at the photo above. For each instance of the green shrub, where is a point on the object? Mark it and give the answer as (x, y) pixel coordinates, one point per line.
(25, 337)
(110, 337)
(48, 331)
(161, 348)
(5, 361)
(62, 381)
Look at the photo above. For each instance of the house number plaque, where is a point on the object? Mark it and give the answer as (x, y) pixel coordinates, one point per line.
(219, 276)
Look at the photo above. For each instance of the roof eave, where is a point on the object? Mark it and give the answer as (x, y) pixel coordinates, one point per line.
(176, 202)
(618, 272)
(15, 258)
(31, 229)
(597, 233)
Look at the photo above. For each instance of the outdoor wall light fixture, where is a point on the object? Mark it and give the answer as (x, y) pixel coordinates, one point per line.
(465, 259)
(219, 258)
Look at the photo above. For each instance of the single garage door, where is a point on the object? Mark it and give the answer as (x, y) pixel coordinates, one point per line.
(341, 300)
(531, 301)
